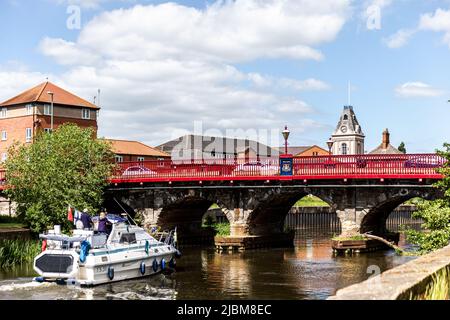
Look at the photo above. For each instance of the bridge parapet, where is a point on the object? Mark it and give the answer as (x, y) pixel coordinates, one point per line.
(409, 166)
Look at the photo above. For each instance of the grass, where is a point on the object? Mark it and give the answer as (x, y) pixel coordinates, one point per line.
(222, 229)
(311, 201)
(437, 289)
(7, 222)
(11, 225)
(17, 252)
(355, 237)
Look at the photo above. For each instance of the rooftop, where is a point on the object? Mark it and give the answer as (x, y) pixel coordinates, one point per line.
(40, 94)
(135, 148)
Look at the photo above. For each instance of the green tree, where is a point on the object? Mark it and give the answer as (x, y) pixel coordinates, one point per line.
(435, 214)
(66, 167)
(401, 147)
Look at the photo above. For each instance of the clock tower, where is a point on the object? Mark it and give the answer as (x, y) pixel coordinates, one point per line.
(348, 137)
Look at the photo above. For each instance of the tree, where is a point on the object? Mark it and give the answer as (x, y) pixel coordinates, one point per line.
(401, 147)
(435, 214)
(66, 167)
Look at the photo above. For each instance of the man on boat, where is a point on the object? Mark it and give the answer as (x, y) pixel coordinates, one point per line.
(86, 219)
(103, 224)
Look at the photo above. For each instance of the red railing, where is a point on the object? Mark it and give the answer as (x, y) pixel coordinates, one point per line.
(318, 167)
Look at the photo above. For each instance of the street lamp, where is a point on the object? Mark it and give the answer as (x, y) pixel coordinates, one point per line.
(330, 145)
(51, 116)
(285, 133)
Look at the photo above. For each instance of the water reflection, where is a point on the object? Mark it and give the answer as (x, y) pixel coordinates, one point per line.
(307, 271)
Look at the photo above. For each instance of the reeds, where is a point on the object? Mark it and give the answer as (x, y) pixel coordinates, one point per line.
(439, 288)
(17, 252)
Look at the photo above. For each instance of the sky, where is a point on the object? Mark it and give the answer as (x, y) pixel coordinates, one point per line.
(243, 68)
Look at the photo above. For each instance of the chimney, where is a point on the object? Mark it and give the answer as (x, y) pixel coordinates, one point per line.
(385, 142)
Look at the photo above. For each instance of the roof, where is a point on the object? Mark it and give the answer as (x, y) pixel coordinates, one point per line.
(39, 94)
(135, 148)
(300, 149)
(390, 149)
(194, 145)
(348, 120)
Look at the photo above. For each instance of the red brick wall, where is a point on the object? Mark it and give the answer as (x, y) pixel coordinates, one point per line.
(45, 122)
(16, 130)
(16, 127)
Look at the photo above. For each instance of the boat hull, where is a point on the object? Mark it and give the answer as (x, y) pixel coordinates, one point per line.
(107, 265)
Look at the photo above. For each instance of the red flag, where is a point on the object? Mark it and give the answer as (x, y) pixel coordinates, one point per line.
(69, 214)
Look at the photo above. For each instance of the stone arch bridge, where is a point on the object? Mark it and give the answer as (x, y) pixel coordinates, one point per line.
(260, 207)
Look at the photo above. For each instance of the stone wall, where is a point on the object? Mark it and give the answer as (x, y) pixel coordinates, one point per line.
(402, 282)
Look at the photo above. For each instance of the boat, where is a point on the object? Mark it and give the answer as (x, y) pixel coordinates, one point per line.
(90, 258)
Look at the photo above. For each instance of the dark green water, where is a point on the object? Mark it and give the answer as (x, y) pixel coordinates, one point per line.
(308, 271)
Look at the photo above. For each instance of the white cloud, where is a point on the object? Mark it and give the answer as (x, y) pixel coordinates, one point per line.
(232, 31)
(438, 22)
(162, 67)
(309, 84)
(417, 89)
(399, 39)
(66, 53)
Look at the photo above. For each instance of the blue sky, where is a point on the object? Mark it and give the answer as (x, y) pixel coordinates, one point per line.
(246, 65)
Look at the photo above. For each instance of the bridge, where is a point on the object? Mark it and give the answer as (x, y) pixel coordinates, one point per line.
(256, 195)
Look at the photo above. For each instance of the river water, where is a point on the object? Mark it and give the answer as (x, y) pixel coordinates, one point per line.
(307, 271)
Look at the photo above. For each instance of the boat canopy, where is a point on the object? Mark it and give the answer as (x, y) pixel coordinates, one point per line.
(112, 218)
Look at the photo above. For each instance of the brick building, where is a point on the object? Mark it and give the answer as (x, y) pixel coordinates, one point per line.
(24, 115)
(305, 151)
(126, 150)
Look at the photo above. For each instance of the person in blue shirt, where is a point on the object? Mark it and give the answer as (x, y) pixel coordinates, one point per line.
(104, 226)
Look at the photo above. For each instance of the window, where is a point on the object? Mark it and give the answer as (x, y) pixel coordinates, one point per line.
(345, 117)
(3, 112)
(47, 130)
(85, 113)
(344, 148)
(315, 153)
(29, 109)
(4, 135)
(140, 158)
(119, 159)
(28, 134)
(4, 157)
(47, 110)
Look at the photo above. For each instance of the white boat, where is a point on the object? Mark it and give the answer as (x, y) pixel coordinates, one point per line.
(88, 258)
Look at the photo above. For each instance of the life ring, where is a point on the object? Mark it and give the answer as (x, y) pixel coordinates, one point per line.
(163, 264)
(110, 273)
(172, 263)
(142, 268)
(155, 265)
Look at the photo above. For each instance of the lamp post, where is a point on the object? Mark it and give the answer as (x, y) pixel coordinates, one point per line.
(330, 145)
(285, 133)
(51, 116)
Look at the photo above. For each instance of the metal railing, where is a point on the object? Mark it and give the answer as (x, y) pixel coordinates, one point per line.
(316, 167)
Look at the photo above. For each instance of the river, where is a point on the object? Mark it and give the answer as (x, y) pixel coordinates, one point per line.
(307, 271)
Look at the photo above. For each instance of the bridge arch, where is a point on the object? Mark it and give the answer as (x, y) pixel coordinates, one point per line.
(374, 220)
(270, 212)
